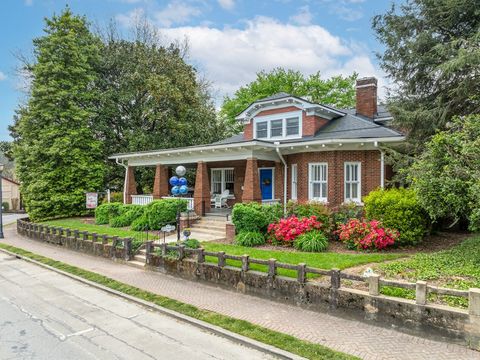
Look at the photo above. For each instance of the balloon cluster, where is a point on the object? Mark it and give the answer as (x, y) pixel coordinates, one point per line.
(179, 183)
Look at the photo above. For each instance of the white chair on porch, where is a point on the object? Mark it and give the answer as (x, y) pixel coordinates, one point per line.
(221, 200)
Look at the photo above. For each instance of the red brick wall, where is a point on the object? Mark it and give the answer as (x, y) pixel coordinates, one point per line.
(366, 94)
(248, 131)
(370, 172)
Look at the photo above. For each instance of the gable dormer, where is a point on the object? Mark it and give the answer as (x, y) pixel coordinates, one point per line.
(283, 116)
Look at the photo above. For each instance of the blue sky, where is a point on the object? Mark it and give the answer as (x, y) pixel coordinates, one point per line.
(229, 40)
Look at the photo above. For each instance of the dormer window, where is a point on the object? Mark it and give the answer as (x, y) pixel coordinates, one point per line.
(278, 126)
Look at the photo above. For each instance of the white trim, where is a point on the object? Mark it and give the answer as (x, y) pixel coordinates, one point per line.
(222, 180)
(294, 184)
(273, 180)
(382, 169)
(280, 116)
(357, 200)
(366, 85)
(323, 198)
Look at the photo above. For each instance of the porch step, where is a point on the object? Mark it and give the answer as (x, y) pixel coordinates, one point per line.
(201, 230)
(218, 216)
(213, 225)
(139, 257)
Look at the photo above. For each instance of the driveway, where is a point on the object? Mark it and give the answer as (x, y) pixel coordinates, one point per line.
(45, 315)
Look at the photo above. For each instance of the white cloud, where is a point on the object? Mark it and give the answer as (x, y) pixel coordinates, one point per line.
(28, 2)
(303, 17)
(231, 57)
(346, 12)
(2, 76)
(227, 4)
(176, 12)
(131, 18)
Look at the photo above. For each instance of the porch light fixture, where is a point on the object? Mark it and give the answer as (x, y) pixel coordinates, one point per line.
(340, 144)
(323, 145)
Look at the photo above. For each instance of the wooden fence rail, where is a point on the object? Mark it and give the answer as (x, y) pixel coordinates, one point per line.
(375, 282)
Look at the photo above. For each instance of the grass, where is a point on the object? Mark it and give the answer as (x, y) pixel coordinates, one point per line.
(458, 267)
(267, 336)
(325, 260)
(77, 223)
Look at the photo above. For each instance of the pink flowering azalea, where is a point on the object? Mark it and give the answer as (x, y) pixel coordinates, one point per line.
(367, 235)
(285, 231)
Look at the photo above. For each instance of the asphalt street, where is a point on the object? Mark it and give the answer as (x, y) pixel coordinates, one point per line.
(45, 315)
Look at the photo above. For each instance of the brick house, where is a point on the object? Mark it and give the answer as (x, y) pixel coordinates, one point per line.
(290, 148)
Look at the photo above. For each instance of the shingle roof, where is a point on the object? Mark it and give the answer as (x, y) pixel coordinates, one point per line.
(276, 96)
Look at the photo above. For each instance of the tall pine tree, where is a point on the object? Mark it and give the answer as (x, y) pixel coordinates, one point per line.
(58, 159)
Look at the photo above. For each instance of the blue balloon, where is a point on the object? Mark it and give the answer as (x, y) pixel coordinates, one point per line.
(183, 189)
(182, 181)
(175, 190)
(173, 181)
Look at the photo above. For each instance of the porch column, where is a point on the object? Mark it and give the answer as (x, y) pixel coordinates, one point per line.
(251, 185)
(130, 185)
(160, 185)
(201, 194)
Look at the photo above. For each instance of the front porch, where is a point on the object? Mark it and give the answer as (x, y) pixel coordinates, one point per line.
(218, 185)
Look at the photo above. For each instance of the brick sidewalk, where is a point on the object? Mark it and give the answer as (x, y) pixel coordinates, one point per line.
(350, 336)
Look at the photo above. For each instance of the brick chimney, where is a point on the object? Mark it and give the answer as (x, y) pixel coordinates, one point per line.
(366, 97)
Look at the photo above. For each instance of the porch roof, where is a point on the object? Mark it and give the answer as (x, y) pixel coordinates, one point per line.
(244, 149)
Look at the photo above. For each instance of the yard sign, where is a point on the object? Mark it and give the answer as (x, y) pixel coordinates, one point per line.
(92, 200)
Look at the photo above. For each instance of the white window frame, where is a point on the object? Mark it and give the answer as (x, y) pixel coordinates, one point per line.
(294, 189)
(324, 197)
(358, 199)
(222, 181)
(283, 117)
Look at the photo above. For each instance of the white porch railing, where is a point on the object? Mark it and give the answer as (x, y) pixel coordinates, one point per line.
(190, 203)
(142, 199)
(271, 202)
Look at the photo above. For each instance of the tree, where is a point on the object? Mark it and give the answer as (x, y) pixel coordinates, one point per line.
(337, 91)
(57, 156)
(149, 98)
(432, 56)
(446, 176)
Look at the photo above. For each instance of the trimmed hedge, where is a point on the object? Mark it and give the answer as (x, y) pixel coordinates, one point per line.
(162, 212)
(127, 214)
(105, 212)
(254, 216)
(398, 209)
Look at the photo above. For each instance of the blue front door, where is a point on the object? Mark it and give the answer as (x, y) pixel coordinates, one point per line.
(266, 183)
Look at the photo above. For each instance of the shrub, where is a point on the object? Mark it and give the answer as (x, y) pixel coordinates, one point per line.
(140, 224)
(249, 238)
(343, 213)
(254, 216)
(162, 212)
(314, 208)
(191, 243)
(286, 230)
(5, 206)
(115, 196)
(311, 241)
(105, 212)
(127, 214)
(398, 209)
(367, 235)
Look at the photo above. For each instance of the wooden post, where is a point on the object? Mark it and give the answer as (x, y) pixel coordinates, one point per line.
(334, 286)
(272, 269)
(245, 265)
(474, 302)
(301, 273)
(421, 292)
(221, 259)
(181, 252)
(373, 284)
(164, 249)
(127, 248)
(201, 256)
(148, 252)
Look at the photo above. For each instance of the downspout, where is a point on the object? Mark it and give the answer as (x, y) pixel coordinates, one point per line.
(125, 182)
(285, 178)
(382, 169)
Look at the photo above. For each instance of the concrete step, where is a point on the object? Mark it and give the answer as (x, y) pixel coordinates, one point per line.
(137, 264)
(211, 217)
(212, 226)
(201, 230)
(139, 257)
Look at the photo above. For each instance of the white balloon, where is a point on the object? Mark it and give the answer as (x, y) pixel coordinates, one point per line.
(180, 170)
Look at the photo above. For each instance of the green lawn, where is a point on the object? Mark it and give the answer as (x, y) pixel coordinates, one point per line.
(458, 267)
(77, 223)
(326, 260)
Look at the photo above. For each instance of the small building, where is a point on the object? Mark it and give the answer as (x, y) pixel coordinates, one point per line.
(290, 148)
(11, 193)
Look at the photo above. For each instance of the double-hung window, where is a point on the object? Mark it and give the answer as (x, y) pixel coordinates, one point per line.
(294, 182)
(353, 182)
(222, 179)
(318, 182)
(277, 126)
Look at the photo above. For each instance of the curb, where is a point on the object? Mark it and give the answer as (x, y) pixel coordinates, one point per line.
(237, 338)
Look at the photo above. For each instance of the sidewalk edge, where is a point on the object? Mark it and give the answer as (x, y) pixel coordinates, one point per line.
(254, 344)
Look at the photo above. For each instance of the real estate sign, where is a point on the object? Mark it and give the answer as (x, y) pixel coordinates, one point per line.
(92, 200)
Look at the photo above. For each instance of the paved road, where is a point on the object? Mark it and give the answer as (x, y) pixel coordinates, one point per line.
(358, 338)
(45, 315)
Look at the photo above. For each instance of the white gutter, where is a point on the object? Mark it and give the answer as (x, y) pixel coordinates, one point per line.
(125, 182)
(382, 169)
(285, 178)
